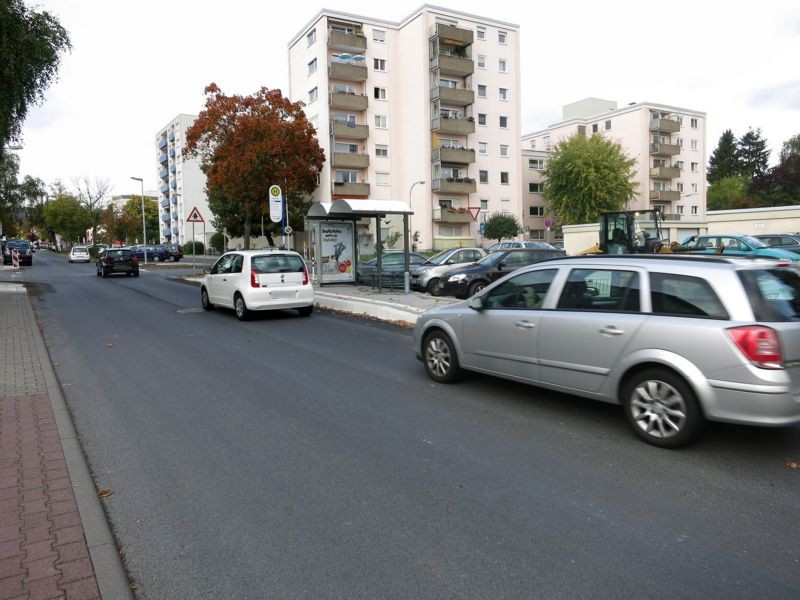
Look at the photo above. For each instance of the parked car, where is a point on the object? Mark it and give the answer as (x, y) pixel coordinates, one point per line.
(526, 244)
(426, 276)
(466, 280)
(735, 245)
(24, 251)
(254, 280)
(117, 260)
(174, 252)
(392, 262)
(79, 254)
(155, 252)
(786, 241)
(675, 339)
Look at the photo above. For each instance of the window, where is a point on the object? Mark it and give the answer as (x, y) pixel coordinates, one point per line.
(694, 209)
(682, 295)
(381, 179)
(381, 122)
(503, 122)
(679, 187)
(379, 64)
(311, 36)
(312, 95)
(522, 292)
(449, 143)
(481, 91)
(346, 177)
(594, 128)
(450, 230)
(344, 88)
(481, 118)
(680, 209)
(680, 142)
(344, 147)
(483, 176)
(448, 83)
(501, 37)
(484, 204)
(536, 211)
(694, 188)
(535, 188)
(381, 150)
(314, 121)
(502, 65)
(312, 66)
(546, 140)
(481, 61)
(693, 123)
(503, 149)
(606, 290)
(695, 167)
(537, 164)
(378, 36)
(694, 144)
(533, 144)
(608, 125)
(503, 94)
(679, 164)
(504, 177)
(483, 148)
(480, 33)
(379, 93)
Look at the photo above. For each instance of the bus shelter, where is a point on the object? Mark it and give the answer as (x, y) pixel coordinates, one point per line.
(334, 233)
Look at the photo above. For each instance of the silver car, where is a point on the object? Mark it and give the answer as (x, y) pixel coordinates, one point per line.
(675, 339)
(427, 275)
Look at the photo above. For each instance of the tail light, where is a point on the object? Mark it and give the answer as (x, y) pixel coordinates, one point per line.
(305, 275)
(759, 344)
(254, 278)
(106, 261)
(134, 259)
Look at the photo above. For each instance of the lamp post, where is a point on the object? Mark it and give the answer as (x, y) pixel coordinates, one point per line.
(410, 235)
(144, 225)
(409, 238)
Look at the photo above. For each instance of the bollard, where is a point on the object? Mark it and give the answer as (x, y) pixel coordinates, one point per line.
(407, 282)
(14, 258)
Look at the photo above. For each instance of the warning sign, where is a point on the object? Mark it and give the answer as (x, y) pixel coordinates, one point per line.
(194, 216)
(474, 211)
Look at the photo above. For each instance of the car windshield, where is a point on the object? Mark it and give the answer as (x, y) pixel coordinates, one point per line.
(18, 245)
(80, 249)
(492, 258)
(439, 258)
(751, 241)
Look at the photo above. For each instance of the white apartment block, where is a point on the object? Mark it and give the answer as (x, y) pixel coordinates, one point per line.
(668, 144)
(433, 98)
(182, 186)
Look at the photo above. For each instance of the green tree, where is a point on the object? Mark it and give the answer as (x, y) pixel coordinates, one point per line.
(31, 44)
(790, 147)
(587, 176)
(729, 193)
(247, 144)
(724, 161)
(66, 216)
(754, 154)
(217, 241)
(94, 196)
(133, 214)
(33, 193)
(10, 199)
(781, 185)
(501, 225)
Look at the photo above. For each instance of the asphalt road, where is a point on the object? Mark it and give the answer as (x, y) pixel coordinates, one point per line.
(312, 458)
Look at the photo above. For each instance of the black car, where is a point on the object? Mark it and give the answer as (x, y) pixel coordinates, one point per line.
(23, 248)
(174, 252)
(786, 241)
(467, 280)
(118, 260)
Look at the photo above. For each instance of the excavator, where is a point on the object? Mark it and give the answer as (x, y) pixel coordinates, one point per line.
(632, 232)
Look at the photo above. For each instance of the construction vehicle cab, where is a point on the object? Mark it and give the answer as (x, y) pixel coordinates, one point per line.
(630, 232)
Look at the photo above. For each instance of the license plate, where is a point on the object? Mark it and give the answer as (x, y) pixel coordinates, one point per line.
(282, 295)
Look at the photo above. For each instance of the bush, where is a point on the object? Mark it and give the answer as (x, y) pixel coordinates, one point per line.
(216, 241)
(193, 248)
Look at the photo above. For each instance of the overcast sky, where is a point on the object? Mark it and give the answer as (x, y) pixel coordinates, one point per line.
(136, 65)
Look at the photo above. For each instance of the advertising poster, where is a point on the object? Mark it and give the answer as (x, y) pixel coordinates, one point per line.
(338, 258)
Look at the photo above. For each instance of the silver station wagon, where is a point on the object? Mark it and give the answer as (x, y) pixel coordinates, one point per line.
(675, 339)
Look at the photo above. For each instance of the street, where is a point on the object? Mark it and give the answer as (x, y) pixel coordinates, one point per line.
(289, 457)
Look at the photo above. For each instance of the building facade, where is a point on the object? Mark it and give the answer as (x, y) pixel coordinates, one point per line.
(181, 186)
(668, 144)
(433, 98)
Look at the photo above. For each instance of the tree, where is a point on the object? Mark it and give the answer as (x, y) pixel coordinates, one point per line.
(133, 214)
(501, 225)
(94, 196)
(781, 185)
(587, 176)
(65, 215)
(753, 154)
(33, 193)
(217, 241)
(790, 147)
(31, 44)
(247, 144)
(729, 193)
(10, 201)
(724, 161)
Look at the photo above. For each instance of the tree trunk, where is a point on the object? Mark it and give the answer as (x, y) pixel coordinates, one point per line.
(247, 222)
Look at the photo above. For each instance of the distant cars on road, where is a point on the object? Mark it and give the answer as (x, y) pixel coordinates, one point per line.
(116, 261)
(427, 275)
(736, 245)
(79, 254)
(24, 252)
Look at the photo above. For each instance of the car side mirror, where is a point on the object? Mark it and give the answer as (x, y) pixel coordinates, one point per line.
(477, 303)
(207, 271)
(449, 261)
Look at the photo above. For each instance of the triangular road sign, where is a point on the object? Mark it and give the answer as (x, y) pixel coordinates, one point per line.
(194, 216)
(474, 211)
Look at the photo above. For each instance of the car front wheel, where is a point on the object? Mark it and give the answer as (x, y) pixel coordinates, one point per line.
(435, 287)
(662, 408)
(439, 356)
(156, 259)
(475, 287)
(239, 306)
(205, 301)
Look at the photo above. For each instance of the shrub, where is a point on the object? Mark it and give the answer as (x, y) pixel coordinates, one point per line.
(193, 248)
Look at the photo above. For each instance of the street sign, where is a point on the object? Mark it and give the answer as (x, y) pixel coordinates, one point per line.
(194, 217)
(548, 223)
(275, 204)
(287, 230)
(474, 211)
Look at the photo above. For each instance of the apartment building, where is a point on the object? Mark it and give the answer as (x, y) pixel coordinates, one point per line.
(667, 142)
(182, 186)
(433, 98)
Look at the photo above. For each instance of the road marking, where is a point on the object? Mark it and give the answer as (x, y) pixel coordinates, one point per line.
(189, 311)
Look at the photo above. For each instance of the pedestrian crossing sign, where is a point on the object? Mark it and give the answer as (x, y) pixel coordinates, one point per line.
(194, 216)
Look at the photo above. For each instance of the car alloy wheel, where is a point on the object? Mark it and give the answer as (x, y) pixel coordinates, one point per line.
(435, 287)
(204, 300)
(439, 356)
(476, 287)
(239, 306)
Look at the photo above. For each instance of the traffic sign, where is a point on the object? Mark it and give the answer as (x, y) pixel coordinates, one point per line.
(194, 217)
(474, 211)
(275, 204)
(287, 230)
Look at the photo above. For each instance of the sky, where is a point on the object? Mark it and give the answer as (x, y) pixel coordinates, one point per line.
(134, 66)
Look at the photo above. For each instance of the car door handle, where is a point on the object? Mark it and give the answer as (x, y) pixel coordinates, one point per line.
(524, 325)
(611, 330)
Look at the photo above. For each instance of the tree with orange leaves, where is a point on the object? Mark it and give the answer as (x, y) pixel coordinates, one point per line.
(248, 143)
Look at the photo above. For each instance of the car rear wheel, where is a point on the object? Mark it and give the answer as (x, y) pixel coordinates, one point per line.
(439, 356)
(435, 287)
(205, 301)
(475, 287)
(156, 258)
(305, 311)
(171, 259)
(662, 408)
(239, 306)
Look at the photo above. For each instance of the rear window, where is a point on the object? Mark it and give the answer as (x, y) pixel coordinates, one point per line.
(118, 253)
(277, 264)
(774, 293)
(684, 296)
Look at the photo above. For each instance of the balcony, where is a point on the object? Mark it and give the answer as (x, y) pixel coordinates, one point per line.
(665, 195)
(175, 200)
(658, 149)
(175, 231)
(665, 172)
(162, 144)
(171, 137)
(173, 184)
(450, 34)
(163, 173)
(347, 72)
(163, 158)
(165, 232)
(665, 125)
(347, 101)
(451, 215)
(174, 216)
(448, 64)
(352, 42)
(463, 156)
(453, 96)
(451, 185)
(349, 131)
(165, 203)
(343, 188)
(164, 188)
(670, 216)
(165, 217)
(172, 152)
(453, 126)
(346, 160)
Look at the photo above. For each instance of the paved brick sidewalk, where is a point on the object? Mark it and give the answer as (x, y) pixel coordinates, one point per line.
(43, 547)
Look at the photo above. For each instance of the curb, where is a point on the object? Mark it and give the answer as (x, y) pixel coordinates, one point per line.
(380, 309)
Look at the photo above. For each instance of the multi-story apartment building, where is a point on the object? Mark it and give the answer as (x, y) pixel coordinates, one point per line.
(668, 144)
(433, 98)
(182, 185)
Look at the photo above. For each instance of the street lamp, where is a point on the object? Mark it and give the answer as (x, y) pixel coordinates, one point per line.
(144, 225)
(410, 235)
(410, 238)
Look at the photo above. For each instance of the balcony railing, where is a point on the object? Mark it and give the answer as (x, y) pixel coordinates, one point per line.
(344, 188)
(165, 187)
(665, 125)
(665, 195)
(347, 101)
(454, 185)
(660, 149)
(165, 203)
(462, 156)
(450, 125)
(456, 66)
(347, 71)
(453, 96)
(665, 172)
(352, 42)
(451, 215)
(450, 34)
(165, 218)
(175, 231)
(162, 144)
(347, 160)
(349, 130)
(163, 173)
(163, 158)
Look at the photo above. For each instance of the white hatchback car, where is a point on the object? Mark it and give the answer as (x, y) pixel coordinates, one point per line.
(79, 254)
(251, 280)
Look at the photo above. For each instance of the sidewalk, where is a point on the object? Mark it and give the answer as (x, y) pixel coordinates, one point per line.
(54, 537)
